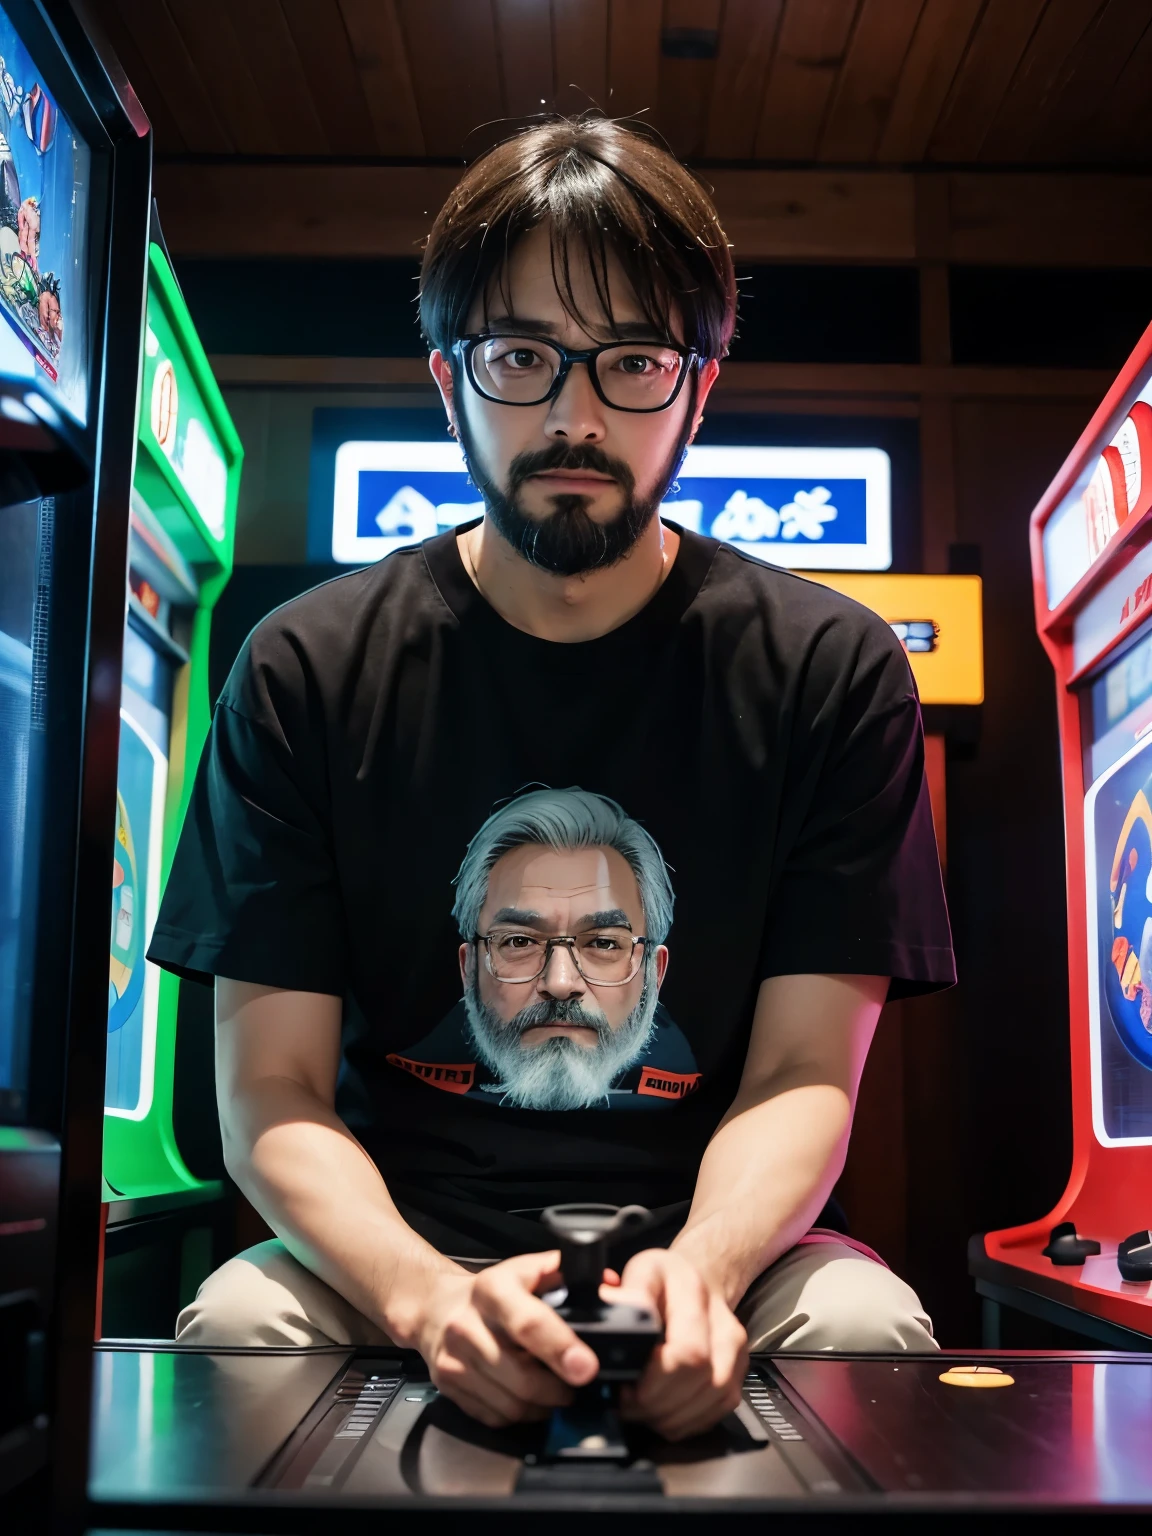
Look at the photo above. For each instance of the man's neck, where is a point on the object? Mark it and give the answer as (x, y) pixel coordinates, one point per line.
(567, 608)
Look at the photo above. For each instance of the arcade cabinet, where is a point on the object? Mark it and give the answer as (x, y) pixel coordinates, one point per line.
(75, 166)
(181, 525)
(1088, 1264)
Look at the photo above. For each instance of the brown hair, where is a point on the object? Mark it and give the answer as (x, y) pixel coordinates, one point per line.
(602, 187)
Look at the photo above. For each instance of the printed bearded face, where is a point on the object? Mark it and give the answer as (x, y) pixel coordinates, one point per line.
(559, 1041)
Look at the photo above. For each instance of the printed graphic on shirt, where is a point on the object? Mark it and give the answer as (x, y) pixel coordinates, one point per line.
(663, 1073)
(563, 903)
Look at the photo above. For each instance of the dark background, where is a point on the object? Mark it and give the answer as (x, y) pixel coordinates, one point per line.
(1001, 316)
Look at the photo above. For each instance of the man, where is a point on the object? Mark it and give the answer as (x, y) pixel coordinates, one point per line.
(577, 294)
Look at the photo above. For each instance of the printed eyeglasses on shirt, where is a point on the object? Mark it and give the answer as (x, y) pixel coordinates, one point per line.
(607, 956)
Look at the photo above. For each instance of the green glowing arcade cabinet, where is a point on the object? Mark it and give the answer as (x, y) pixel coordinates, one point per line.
(182, 523)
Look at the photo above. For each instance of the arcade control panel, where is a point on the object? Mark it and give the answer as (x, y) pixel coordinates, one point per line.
(384, 1429)
(1092, 1285)
(315, 1430)
(300, 1429)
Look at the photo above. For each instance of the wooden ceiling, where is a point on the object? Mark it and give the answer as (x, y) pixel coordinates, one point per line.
(834, 82)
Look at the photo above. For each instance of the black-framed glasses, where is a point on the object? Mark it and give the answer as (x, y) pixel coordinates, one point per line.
(530, 370)
(605, 957)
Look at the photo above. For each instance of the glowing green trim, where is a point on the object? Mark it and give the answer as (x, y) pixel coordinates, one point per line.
(141, 1157)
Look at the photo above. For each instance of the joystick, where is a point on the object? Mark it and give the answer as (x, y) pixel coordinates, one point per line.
(621, 1336)
(1134, 1257)
(585, 1446)
(1066, 1247)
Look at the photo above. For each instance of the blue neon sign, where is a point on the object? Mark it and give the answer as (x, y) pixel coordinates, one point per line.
(806, 508)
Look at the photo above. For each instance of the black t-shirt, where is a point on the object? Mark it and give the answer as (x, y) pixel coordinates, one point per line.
(764, 730)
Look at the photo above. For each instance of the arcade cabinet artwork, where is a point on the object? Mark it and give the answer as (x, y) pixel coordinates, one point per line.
(181, 526)
(1089, 1263)
(40, 240)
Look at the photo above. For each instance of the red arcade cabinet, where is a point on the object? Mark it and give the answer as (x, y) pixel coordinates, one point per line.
(1091, 540)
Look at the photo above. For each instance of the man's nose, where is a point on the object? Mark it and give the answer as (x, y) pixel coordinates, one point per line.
(560, 978)
(577, 413)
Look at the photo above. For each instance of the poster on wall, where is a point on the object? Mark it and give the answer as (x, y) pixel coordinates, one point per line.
(809, 508)
(44, 179)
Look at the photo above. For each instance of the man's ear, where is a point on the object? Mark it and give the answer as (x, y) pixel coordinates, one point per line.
(661, 964)
(441, 370)
(705, 379)
(464, 952)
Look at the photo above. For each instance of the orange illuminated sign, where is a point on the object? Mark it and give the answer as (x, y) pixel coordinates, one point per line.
(951, 671)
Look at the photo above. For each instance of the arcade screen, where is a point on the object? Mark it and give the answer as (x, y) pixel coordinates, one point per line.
(44, 178)
(141, 786)
(1118, 862)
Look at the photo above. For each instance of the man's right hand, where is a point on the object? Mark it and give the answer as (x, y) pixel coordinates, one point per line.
(497, 1350)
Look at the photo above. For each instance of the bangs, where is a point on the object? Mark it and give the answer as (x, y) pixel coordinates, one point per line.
(603, 191)
(592, 215)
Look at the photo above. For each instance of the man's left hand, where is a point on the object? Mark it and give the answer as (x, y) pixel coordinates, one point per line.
(696, 1375)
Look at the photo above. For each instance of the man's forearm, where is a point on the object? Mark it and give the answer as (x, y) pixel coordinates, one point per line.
(763, 1179)
(323, 1196)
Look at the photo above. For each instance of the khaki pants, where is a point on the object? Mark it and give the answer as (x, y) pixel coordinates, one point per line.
(824, 1294)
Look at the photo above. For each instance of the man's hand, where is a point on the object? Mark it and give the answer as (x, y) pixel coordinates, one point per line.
(496, 1349)
(696, 1376)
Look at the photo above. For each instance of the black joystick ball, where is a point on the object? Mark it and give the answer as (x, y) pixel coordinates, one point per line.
(1065, 1247)
(1134, 1257)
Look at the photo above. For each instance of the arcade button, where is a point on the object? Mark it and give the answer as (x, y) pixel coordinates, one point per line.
(1066, 1247)
(976, 1376)
(1134, 1257)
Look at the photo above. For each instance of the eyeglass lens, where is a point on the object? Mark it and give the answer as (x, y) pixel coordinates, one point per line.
(601, 955)
(636, 376)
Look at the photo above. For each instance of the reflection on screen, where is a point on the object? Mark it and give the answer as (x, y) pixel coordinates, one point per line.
(1118, 848)
(1121, 707)
(20, 534)
(44, 179)
(15, 720)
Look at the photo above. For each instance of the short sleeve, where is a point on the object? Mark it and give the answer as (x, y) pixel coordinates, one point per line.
(858, 887)
(252, 893)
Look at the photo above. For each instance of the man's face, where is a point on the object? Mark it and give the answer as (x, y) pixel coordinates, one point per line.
(559, 1041)
(571, 483)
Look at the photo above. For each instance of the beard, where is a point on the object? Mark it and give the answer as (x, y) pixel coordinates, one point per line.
(559, 1073)
(567, 541)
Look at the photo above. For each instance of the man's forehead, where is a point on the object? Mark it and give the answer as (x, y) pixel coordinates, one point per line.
(559, 875)
(526, 287)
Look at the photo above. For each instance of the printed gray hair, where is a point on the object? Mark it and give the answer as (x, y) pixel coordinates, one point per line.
(563, 819)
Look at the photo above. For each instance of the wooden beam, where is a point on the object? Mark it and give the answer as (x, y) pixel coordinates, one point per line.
(323, 211)
(1051, 221)
(225, 209)
(820, 381)
(826, 215)
(345, 372)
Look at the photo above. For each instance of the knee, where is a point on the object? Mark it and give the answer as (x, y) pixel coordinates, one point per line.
(242, 1304)
(855, 1305)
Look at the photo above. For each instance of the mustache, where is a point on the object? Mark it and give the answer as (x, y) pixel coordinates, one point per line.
(556, 1011)
(575, 456)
